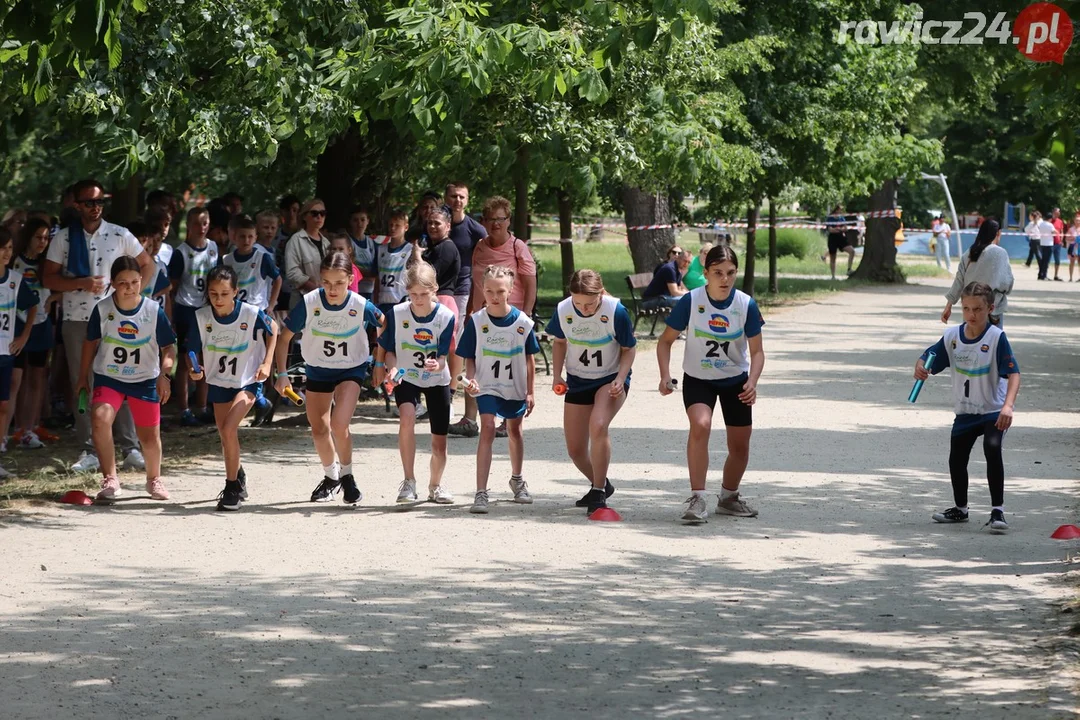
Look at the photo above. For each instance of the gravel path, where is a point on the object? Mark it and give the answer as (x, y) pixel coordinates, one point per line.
(841, 600)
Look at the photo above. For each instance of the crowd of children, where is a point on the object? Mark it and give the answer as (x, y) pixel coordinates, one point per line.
(357, 311)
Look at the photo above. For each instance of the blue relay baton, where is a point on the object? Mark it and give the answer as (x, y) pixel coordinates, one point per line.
(194, 362)
(930, 356)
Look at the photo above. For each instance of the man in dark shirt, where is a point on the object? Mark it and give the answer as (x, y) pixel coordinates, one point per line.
(465, 232)
(666, 286)
(836, 225)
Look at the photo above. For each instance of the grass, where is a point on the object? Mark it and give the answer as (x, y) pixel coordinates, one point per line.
(612, 260)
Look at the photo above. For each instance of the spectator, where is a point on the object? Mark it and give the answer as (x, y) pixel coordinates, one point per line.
(363, 252)
(1032, 232)
(465, 232)
(695, 275)
(1046, 245)
(78, 264)
(14, 220)
(1073, 234)
(234, 202)
(837, 226)
(985, 262)
(418, 223)
(942, 234)
(289, 213)
(305, 250)
(1059, 238)
(666, 287)
(442, 255)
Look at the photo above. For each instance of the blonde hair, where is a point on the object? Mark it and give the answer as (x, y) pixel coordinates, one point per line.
(705, 248)
(268, 215)
(310, 205)
(498, 272)
(423, 275)
(586, 282)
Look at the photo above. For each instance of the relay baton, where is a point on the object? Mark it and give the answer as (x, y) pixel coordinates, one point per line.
(296, 397)
(84, 401)
(919, 383)
(393, 382)
(560, 389)
(672, 384)
(194, 362)
(465, 381)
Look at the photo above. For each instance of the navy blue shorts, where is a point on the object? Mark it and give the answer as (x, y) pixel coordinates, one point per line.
(218, 394)
(491, 405)
(5, 381)
(183, 323)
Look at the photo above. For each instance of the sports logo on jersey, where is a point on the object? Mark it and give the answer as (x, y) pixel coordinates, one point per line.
(127, 330)
(317, 312)
(985, 348)
(521, 330)
(352, 313)
(569, 320)
(604, 318)
(701, 309)
(243, 326)
(423, 336)
(483, 328)
(405, 325)
(209, 327)
(718, 323)
(11, 285)
(110, 317)
(953, 343)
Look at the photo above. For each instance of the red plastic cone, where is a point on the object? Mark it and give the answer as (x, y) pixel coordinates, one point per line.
(77, 497)
(606, 515)
(1066, 532)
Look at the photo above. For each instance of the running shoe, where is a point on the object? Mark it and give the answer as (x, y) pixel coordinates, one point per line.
(480, 503)
(520, 489)
(349, 492)
(997, 523)
(952, 515)
(736, 506)
(440, 495)
(407, 491)
(230, 499)
(697, 511)
(609, 490)
(325, 491)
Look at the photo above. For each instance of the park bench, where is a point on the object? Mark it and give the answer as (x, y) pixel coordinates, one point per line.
(637, 284)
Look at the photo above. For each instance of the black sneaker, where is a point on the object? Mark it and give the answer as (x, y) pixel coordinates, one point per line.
(596, 500)
(997, 522)
(241, 477)
(609, 490)
(350, 493)
(264, 410)
(952, 515)
(325, 491)
(229, 499)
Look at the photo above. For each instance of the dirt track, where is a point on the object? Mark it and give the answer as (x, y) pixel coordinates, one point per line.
(841, 600)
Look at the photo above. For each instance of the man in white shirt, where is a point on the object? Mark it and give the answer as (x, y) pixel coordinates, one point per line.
(83, 277)
(1046, 246)
(942, 234)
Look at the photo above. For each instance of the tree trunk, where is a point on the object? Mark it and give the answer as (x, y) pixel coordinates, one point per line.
(127, 200)
(774, 285)
(335, 173)
(521, 193)
(648, 248)
(566, 239)
(751, 246)
(879, 253)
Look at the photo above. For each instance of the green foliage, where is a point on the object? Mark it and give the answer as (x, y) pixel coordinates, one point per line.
(794, 243)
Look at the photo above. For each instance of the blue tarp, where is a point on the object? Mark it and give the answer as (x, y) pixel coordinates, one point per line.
(919, 244)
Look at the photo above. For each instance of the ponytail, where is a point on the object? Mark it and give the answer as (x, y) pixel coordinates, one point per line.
(987, 232)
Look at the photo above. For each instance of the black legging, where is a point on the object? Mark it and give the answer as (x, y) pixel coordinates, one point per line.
(960, 451)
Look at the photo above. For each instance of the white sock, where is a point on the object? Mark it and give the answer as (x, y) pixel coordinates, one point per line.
(725, 493)
(999, 507)
(331, 471)
(346, 469)
(962, 509)
(699, 493)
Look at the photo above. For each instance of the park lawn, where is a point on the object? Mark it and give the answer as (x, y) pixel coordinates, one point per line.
(612, 260)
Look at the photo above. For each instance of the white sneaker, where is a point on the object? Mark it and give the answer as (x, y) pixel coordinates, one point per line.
(30, 441)
(697, 511)
(4, 474)
(521, 491)
(453, 413)
(134, 460)
(440, 495)
(407, 491)
(480, 503)
(3, 445)
(421, 411)
(87, 462)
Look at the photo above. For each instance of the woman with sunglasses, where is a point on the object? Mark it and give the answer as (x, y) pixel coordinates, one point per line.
(305, 250)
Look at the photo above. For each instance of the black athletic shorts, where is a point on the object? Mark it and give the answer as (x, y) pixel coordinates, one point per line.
(588, 397)
(837, 243)
(736, 412)
(329, 386)
(32, 358)
(438, 403)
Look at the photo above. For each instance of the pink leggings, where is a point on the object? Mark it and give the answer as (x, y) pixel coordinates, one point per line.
(145, 413)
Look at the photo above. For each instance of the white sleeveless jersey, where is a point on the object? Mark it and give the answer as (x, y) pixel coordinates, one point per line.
(334, 339)
(501, 368)
(129, 350)
(392, 272)
(250, 285)
(416, 342)
(31, 273)
(9, 296)
(365, 250)
(978, 388)
(716, 346)
(231, 353)
(197, 265)
(592, 351)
